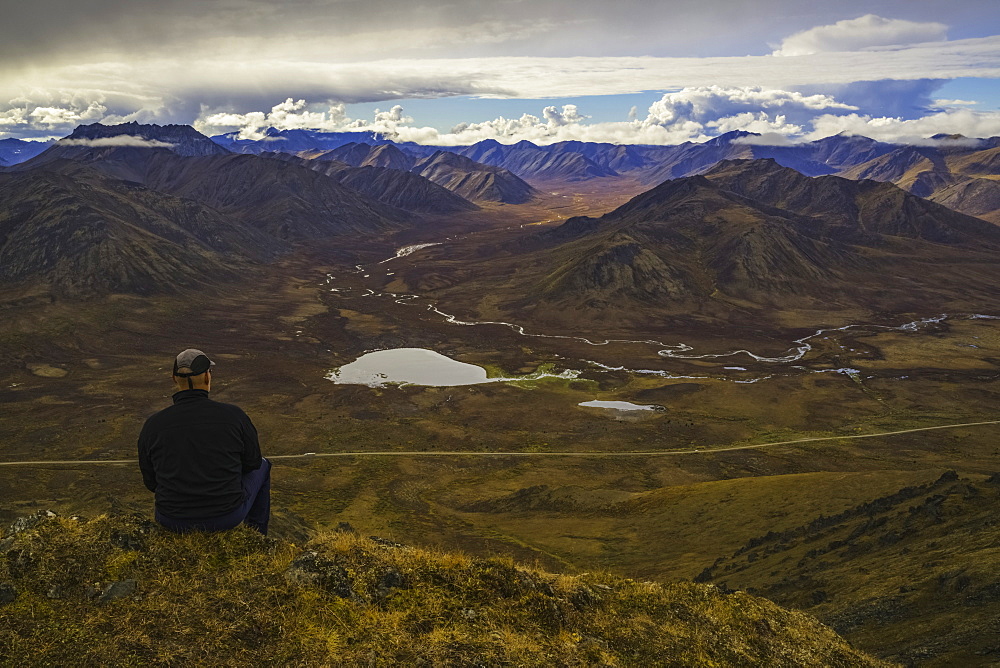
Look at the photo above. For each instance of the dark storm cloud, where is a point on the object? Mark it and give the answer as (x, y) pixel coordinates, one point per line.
(63, 63)
(41, 29)
(903, 99)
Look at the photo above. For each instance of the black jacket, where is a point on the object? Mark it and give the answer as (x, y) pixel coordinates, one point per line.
(193, 456)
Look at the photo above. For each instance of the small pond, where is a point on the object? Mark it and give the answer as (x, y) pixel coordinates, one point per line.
(419, 366)
(621, 405)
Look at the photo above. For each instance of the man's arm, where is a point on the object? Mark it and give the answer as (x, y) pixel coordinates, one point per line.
(251, 446)
(145, 465)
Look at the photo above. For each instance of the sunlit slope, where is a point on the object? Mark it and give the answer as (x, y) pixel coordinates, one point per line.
(119, 590)
(912, 575)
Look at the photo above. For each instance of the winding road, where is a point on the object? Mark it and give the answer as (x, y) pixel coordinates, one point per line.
(583, 453)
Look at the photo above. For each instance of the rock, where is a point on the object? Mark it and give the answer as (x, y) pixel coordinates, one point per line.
(583, 598)
(55, 592)
(128, 540)
(20, 562)
(947, 476)
(117, 590)
(389, 580)
(384, 542)
(345, 527)
(8, 594)
(29, 522)
(310, 569)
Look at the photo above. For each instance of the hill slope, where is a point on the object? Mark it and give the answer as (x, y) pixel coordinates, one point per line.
(88, 234)
(962, 178)
(922, 558)
(746, 241)
(285, 200)
(472, 180)
(119, 590)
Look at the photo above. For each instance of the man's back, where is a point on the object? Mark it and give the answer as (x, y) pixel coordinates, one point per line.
(194, 453)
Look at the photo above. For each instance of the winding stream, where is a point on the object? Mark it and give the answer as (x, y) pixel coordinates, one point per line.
(680, 351)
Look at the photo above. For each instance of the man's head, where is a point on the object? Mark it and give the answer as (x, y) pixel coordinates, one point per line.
(193, 370)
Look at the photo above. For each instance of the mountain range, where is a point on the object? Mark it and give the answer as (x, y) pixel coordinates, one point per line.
(959, 172)
(150, 209)
(733, 234)
(746, 239)
(470, 180)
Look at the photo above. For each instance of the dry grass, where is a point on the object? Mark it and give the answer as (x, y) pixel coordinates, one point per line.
(227, 599)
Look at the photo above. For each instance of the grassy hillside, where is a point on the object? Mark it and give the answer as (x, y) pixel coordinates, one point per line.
(911, 575)
(116, 590)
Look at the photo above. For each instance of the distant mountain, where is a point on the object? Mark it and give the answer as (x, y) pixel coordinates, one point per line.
(398, 188)
(180, 139)
(467, 178)
(13, 151)
(746, 240)
(472, 180)
(365, 155)
(288, 201)
(530, 161)
(85, 234)
(153, 209)
(963, 177)
(404, 190)
(292, 141)
(910, 576)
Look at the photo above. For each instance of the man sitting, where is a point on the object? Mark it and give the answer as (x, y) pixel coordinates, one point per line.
(201, 458)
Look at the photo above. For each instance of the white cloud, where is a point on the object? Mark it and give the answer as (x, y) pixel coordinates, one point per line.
(861, 33)
(760, 123)
(288, 115)
(912, 131)
(118, 140)
(767, 139)
(51, 118)
(706, 103)
(568, 116)
(782, 117)
(954, 103)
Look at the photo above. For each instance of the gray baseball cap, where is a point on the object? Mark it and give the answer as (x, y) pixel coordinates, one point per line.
(193, 359)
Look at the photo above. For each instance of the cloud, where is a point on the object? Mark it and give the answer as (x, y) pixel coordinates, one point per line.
(50, 118)
(297, 115)
(861, 33)
(942, 103)
(288, 115)
(766, 139)
(781, 117)
(708, 103)
(568, 116)
(180, 88)
(118, 140)
(910, 131)
(888, 97)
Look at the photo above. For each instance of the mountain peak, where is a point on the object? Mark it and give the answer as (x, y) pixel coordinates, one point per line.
(729, 137)
(181, 139)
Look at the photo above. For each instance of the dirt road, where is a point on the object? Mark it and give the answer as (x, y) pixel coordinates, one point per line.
(579, 453)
